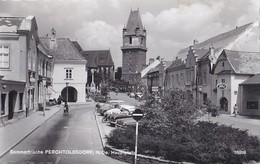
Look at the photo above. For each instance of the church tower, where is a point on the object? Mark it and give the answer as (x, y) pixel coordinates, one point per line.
(133, 49)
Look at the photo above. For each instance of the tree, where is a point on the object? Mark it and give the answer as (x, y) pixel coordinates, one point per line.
(118, 73)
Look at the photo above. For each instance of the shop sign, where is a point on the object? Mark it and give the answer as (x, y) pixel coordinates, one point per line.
(222, 86)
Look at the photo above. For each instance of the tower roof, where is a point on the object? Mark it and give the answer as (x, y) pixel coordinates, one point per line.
(134, 22)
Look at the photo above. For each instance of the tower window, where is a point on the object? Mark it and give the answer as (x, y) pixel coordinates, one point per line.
(130, 40)
(223, 64)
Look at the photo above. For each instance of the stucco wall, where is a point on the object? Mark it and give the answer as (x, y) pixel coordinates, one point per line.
(17, 70)
(78, 81)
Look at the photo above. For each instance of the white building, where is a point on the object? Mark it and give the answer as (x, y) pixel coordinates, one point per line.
(237, 84)
(69, 75)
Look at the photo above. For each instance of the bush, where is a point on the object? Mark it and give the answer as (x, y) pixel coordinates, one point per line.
(171, 130)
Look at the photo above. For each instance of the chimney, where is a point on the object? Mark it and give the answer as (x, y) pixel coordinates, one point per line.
(212, 51)
(195, 41)
(151, 60)
(53, 40)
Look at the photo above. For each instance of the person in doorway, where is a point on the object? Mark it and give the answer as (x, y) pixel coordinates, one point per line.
(235, 110)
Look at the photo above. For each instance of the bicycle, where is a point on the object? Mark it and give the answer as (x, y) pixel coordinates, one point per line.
(66, 110)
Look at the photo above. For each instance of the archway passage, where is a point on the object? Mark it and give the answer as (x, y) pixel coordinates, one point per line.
(71, 92)
(11, 103)
(224, 104)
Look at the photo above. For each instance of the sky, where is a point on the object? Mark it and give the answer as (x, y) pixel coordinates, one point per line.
(171, 24)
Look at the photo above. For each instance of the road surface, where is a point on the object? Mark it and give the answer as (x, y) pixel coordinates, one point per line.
(62, 140)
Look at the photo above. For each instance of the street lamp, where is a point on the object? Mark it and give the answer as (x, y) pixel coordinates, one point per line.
(67, 97)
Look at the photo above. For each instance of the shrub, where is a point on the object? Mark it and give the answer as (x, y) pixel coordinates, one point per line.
(171, 130)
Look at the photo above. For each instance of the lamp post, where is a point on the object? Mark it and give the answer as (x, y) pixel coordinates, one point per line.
(44, 95)
(67, 97)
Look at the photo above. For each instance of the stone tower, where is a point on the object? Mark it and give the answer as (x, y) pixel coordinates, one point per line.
(133, 49)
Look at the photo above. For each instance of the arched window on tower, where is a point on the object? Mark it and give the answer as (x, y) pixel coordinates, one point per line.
(130, 40)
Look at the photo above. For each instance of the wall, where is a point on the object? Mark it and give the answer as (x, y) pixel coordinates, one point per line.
(249, 93)
(17, 71)
(78, 81)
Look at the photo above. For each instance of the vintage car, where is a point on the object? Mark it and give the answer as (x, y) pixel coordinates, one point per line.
(126, 112)
(103, 107)
(123, 122)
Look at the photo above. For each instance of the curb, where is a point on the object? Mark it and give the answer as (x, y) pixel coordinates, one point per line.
(100, 132)
(22, 138)
(110, 148)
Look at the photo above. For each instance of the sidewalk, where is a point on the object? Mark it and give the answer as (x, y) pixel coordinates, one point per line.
(16, 130)
(251, 124)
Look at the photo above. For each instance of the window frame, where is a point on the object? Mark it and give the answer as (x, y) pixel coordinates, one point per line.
(8, 54)
(68, 73)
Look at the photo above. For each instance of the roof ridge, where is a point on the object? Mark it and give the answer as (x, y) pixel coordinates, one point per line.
(76, 49)
(225, 33)
(241, 51)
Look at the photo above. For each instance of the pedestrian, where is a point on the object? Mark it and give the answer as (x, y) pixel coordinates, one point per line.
(235, 110)
(116, 92)
(59, 99)
(27, 111)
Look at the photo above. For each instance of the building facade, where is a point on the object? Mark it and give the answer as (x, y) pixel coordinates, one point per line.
(236, 73)
(69, 73)
(19, 52)
(133, 49)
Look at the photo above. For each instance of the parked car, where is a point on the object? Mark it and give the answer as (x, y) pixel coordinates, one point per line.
(122, 122)
(132, 94)
(122, 109)
(52, 101)
(138, 95)
(108, 105)
(126, 112)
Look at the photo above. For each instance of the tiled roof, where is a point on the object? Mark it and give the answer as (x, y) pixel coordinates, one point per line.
(156, 69)
(134, 21)
(201, 52)
(11, 24)
(65, 50)
(252, 80)
(77, 45)
(149, 67)
(98, 58)
(218, 42)
(244, 62)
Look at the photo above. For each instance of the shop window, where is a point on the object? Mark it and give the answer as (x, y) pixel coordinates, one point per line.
(252, 104)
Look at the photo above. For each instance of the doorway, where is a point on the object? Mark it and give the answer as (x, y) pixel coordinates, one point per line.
(224, 104)
(71, 92)
(11, 104)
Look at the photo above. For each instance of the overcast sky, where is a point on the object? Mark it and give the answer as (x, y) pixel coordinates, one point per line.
(171, 24)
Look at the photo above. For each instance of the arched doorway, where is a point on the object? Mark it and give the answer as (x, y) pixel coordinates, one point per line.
(223, 104)
(71, 92)
(11, 104)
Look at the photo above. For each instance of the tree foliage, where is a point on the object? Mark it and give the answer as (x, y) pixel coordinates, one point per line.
(170, 129)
